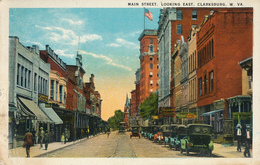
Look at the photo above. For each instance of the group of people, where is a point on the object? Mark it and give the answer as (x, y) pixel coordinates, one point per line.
(44, 138)
(248, 139)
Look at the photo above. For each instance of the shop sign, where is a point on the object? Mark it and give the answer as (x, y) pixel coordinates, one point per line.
(186, 115)
(42, 98)
(166, 112)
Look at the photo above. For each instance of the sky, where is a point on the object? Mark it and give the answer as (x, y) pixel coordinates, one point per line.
(107, 38)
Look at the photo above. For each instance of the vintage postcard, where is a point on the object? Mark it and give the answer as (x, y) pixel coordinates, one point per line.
(123, 82)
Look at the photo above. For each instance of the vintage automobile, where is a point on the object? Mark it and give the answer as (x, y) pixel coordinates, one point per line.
(147, 132)
(170, 134)
(165, 136)
(198, 139)
(158, 134)
(121, 127)
(179, 133)
(135, 132)
(152, 132)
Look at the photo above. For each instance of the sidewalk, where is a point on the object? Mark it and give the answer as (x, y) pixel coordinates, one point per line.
(35, 150)
(229, 151)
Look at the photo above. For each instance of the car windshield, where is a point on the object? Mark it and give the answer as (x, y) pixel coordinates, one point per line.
(200, 129)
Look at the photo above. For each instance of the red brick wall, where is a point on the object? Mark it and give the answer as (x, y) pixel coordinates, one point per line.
(145, 87)
(233, 41)
(54, 65)
(133, 102)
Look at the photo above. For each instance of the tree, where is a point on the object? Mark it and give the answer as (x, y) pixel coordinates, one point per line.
(116, 119)
(149, 107)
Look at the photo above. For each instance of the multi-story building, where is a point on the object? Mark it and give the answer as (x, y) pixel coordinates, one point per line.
(78, 121)
(224, 40)
(192, 69)
(28, 89)
(149, 64)
(177, 88)
(57, 89)
(184, 76)
(173, 23)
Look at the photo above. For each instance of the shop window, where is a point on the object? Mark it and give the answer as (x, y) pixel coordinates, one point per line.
(18, 74)
(57, 90)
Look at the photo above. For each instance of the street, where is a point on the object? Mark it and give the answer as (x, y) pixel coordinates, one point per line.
(120, 145)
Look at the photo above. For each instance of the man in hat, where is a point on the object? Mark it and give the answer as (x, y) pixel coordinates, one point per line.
(239, 133)
(28, 142)
(46, 139)
(248, 141)
(41, 135)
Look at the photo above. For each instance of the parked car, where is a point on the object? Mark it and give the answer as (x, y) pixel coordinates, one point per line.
(135, 132)
(171, 134)
(179, 133)
(152, 132)
(158, 134)
(198, 139)
(147, 131)
(166, 132)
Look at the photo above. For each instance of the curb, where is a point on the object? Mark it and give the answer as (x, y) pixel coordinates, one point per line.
(77, 141)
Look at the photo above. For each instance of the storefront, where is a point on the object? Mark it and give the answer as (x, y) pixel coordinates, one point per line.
(215, 119)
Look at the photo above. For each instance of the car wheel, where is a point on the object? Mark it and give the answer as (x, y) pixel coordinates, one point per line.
(181, 151)
(170, 146)
(187, 152)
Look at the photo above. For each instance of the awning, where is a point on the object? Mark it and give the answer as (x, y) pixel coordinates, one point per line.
(51, 114)
(32, 108)
(211, 112)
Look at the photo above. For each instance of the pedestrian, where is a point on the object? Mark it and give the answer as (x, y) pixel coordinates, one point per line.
(41, 135)
(62, 138)
(51, 136)
(34, 136)
(108, 133)
(238, 135)
(28, 142)
(66, 135)
(248, 141)
(46, 139)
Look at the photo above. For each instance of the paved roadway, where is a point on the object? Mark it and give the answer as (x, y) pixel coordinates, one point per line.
(120, 145)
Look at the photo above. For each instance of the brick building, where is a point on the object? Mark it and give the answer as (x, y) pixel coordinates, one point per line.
(224, 39)
(173, 23)
(149, 64)
(57, 89)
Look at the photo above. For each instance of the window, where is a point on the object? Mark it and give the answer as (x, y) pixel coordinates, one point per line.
(151, 58)
(151, 74)
(179, 29)
(35, 82)
(200, 86)
(151, 66)
(18, 74)
(157, 66)
(39, 84)
(151, 82)
(211, 81)
(194, 14)
(25, 77)
(61, 92)
(29, 79)
(22, 76)
(151, 48)
(205, 84)
(179, 15)
(57, 90)
(194, 25)
(151, 90)
(151, 41)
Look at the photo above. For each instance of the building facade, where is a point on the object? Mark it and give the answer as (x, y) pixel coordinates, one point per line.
(173, 23)
(222, 38)
(149, 64)
(28, 88)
